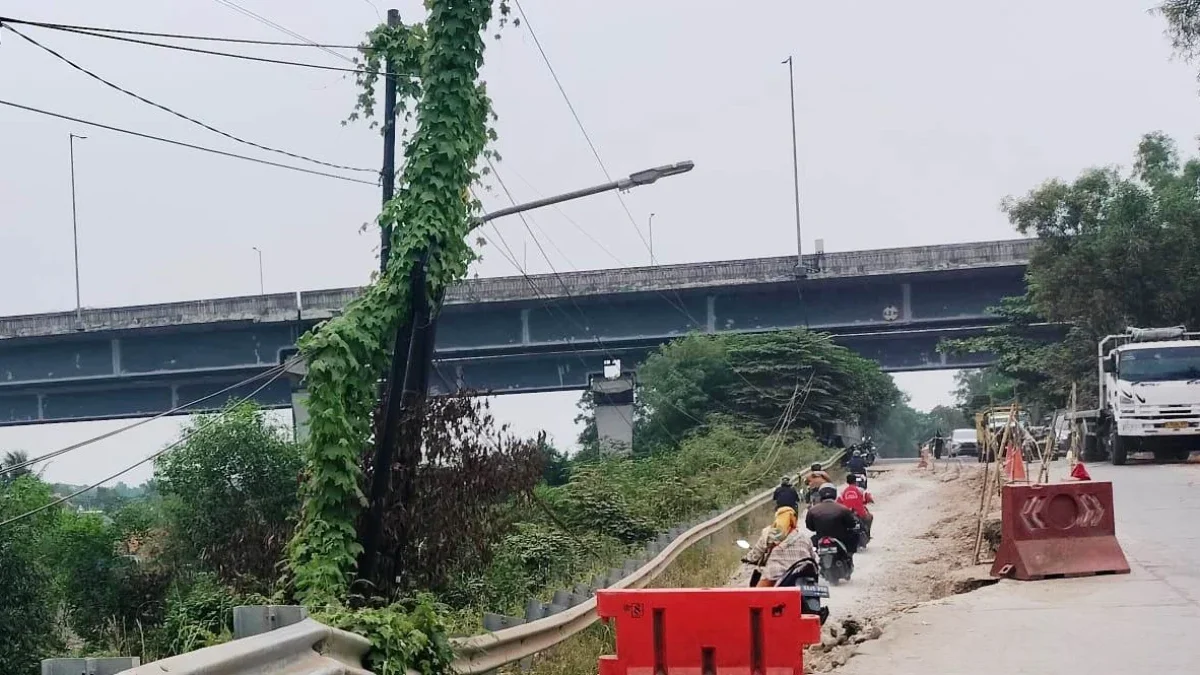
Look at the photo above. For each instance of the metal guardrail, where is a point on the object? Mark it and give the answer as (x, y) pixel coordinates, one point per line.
(482, 653)
(312, 648)
(305, 648)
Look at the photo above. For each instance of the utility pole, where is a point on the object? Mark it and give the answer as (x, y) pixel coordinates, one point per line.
(800, 269)
(388, 174)
(75, 233)
(408, 375)
(385, 431)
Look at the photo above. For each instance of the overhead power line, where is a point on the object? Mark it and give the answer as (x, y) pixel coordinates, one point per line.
(208, 52)
(172, 36)
(579, 122)
(178, 114)
(173, 411)
(267, 22)
(199, 427)
(183, 144)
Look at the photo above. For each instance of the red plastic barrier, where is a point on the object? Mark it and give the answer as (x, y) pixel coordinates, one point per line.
(727, 631)
(1058, 530)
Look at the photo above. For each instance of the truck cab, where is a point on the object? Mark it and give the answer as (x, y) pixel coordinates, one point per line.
(1150, 393)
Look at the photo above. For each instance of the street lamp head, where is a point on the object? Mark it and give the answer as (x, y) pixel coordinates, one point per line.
(649, 176)
(79, 137)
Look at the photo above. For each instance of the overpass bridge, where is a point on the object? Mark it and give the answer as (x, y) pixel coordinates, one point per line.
(512, 334)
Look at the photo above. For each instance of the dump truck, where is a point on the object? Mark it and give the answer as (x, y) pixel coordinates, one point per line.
(1149, 395)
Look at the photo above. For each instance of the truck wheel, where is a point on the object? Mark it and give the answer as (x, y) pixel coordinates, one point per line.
(1118, 449)
(1183, 454)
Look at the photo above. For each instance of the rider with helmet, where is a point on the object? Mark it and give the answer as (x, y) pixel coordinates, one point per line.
(816, 478)
(828, 518)
(857, 463)
(786, 495)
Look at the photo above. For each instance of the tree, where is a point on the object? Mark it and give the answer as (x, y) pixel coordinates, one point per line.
(28, 626)
(759, 376)
(1183, 26)
(12, 459)
(229, 491)
(1114, 249)
(472, 468)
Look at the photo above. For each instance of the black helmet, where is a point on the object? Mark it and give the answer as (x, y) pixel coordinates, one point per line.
(827, 492)
(816, 467)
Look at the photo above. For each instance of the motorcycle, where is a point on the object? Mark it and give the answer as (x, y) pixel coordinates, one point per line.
(864, 535)
(804, 575)
(835, 561)
(870, 454)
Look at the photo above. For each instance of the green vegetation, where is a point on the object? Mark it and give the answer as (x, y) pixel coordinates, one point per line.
(154, 571)
(797, 378)
(429, 218)
(1115, 248)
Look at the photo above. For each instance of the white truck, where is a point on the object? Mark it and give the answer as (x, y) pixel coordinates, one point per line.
(1149, 395)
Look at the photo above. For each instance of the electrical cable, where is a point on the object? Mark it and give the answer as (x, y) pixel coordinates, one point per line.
(199, 427)
(178, 114)
(183, 144)
(171, 36)
(173, 411)
(267, 22)
(210, 52)
(579, 122)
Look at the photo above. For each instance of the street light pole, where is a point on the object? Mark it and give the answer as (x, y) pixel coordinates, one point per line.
(645, 177)
(75, 231)
(262, 289)
(412, 353)
(650, 227)
(800, 269)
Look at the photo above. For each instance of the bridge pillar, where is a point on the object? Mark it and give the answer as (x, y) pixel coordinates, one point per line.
(613, 398)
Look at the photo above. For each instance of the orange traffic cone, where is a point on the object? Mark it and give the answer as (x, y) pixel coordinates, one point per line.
(1014, 466)
(1080, 472)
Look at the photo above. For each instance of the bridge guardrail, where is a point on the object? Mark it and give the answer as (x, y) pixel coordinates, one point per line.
(312, 648)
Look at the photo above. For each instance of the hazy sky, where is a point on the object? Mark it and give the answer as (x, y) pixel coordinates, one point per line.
(915, 119)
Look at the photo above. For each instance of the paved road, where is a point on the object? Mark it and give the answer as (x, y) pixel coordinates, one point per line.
(1145, 622)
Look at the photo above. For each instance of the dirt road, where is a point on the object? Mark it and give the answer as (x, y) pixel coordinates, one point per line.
(924, 530)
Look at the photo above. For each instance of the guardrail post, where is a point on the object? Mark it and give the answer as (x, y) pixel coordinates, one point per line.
(534, 610)
(104, 666)
(494, 622)
(251, 620)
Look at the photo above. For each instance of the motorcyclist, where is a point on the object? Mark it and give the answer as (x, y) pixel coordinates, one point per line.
(828, 518)
(786, 495)
(856, 499)
(780, 546)
(816, 478)
(857, 463)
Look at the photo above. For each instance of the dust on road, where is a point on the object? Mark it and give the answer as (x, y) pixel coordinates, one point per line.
(924, 531)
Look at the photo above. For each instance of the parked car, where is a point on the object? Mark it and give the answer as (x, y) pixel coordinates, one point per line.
(963, 442)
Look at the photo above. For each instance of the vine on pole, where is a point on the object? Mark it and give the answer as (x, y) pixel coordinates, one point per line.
(449, 112)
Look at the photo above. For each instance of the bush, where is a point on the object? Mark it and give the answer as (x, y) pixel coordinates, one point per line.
(404, 636)
(230, 490)
(198, 616)
(27, 599)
